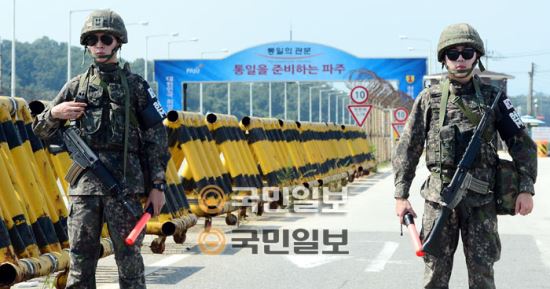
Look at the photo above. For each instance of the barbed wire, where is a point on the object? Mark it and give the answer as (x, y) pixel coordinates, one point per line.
(381, 92)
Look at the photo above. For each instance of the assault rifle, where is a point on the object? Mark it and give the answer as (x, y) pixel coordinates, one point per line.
(84, 159)
(453, 194)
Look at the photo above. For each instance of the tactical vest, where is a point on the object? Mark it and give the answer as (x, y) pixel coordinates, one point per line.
(447, 141)
(103, 122)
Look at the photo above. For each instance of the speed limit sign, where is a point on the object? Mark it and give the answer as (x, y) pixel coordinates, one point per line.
(400, 114)
(359, 94)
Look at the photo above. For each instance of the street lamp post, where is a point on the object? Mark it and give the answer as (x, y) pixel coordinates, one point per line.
(431, 64)
(269, 100)
(349, 114)
(225, 50)
(228, 97)
(321, 103)
(145, 73)
(251, 106)
(194, 39)
(343, 110)
(336, 109)
(285, 98)
(298, 102)
(0, 65)
(310, 106)
(13, 75)
(142, 23)
(336, 93)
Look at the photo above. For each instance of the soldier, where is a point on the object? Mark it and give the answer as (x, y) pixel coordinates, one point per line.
(443, 116)
(120, 139)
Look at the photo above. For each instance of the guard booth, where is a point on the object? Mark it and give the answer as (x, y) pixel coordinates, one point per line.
(490, 77)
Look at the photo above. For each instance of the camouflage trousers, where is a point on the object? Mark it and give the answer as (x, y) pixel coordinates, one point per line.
(86, 217)
(481, 245)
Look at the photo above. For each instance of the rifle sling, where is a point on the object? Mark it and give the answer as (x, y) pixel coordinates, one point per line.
(126, 89)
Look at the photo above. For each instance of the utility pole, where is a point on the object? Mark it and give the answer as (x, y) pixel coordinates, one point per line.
(530, 94)
(13, 41)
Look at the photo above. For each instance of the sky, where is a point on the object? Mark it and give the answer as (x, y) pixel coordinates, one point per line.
(515, 31)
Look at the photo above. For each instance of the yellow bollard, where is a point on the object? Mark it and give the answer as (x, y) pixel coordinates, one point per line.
(542, 148)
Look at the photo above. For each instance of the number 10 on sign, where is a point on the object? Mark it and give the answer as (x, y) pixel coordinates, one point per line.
(359, 94)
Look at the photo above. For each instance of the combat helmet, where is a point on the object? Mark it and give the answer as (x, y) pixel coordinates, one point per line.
(457, 34)
(460, 34)
(106, 21)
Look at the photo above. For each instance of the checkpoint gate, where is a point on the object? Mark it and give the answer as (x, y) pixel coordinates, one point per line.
(301, 64)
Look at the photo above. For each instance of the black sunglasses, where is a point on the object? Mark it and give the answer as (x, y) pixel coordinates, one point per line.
(106, 39)
(453, 54)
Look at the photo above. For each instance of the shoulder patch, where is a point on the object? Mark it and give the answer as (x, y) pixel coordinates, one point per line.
(508, 104)
(510, 124)
(151, 92)
(514, 115)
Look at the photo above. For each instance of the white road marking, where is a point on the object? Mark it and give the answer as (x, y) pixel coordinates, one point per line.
(544, 249)
(379, 262)
(28, 284)
(365, 182)
(311, 261)
(152, 268)
(170, 260)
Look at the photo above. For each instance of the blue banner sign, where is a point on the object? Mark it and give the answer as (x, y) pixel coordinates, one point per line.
(284, 61)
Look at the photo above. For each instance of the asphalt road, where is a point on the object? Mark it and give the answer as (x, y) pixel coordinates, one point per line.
(377, 256)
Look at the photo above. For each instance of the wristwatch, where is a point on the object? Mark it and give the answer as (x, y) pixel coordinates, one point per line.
(159, 186)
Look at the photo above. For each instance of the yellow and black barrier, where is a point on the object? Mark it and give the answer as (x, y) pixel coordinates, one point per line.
(33, 229)
(45, 174)
(58, 155)
(21, 236)
(318, 146)
(210, 155)
(542, 148)
(15, 271)
(29, 268)
(358, 143)
(207, 182)
(276, 169)
(279, 143)
(24, 178)
(306, 167)
(293, 153)
(236, 156)
(7, 253)
(174, 218)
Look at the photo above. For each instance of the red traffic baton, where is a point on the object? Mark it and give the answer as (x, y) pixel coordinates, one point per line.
(140, 225)
(408, 219)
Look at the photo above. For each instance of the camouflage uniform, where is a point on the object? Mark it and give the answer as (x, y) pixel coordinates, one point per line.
(102, 127)
(445, 145)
